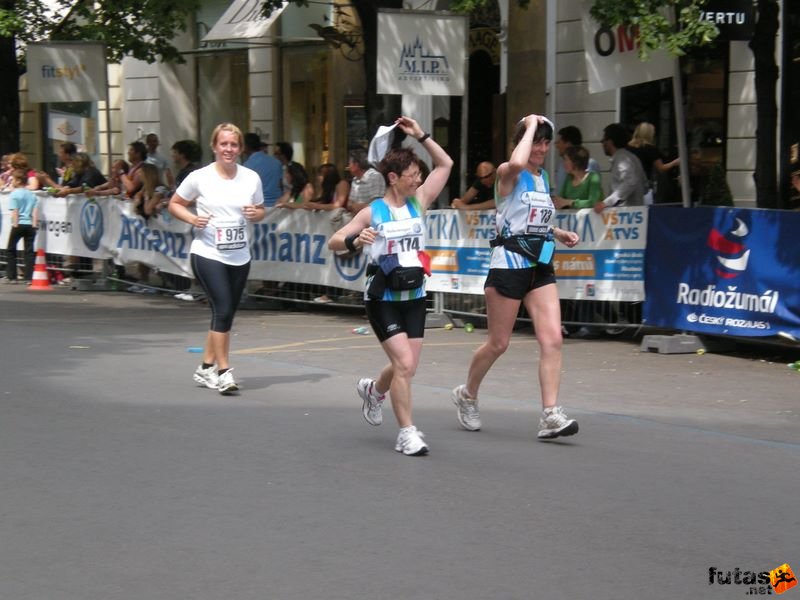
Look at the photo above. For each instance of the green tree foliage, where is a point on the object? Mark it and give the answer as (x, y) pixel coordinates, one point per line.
(143, 29)
(654, 20)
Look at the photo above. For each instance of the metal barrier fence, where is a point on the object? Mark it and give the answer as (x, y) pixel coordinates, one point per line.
(611, 318)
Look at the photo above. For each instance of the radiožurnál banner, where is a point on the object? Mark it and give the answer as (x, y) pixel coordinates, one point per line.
(723, 271)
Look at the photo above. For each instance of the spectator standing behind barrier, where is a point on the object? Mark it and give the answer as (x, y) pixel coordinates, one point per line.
(366, 185)
(568, 137)
(521, 272)
(186, 154)
(479, 195)
(642, 144)
(154, 158)
(332, 190)
(269, 168)
(225, 196)
(85, 176)
(112, 187)
(66, 152)
(393, 230)
(628, 181)
(19, 162)
(300, 189)
(284, 152)
(24, 208)
(137, 154)
(582, 188)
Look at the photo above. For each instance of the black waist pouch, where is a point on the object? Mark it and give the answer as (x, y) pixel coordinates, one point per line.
(529, 246)
(405, 278)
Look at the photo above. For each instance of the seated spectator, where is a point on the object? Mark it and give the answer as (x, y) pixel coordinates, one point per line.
(332, 189)
(582, 188)
(19, 162)
(186, 154)
(85, 176)
(137, 154)
(112, 187)
(367, 183)
(480, 194)
(300, 189)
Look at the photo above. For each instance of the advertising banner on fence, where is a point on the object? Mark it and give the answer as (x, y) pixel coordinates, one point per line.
(723, 271)
(608, 261)
(291, 246)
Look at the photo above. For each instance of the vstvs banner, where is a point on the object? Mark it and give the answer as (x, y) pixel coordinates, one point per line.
(723, 271)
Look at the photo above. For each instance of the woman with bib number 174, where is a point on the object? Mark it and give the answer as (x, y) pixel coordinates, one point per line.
(218, 201)
(392, 231)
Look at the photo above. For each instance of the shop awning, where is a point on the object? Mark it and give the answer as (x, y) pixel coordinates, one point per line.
(242, 20)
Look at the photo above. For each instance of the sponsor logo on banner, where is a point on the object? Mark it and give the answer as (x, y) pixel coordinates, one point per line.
(350, 267)
(732, 254)
(91, 225)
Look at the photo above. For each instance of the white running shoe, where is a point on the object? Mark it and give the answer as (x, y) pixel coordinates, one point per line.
(206, 377)
(554, 423)
(410, 443)
(372, 408)
(468, 416)
(226, 385)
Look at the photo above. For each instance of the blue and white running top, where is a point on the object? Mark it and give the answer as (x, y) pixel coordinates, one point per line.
(401, 231)
(527, 210)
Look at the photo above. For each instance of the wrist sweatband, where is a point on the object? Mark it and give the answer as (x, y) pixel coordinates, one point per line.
(349, 242)
(424, 137)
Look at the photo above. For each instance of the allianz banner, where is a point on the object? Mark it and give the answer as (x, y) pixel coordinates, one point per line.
(723, 271)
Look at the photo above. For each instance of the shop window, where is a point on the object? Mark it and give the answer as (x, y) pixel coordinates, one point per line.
(74, 122)
(704, 77)
(223, 92)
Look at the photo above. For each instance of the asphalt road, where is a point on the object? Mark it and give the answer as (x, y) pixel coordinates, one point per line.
(119, 479)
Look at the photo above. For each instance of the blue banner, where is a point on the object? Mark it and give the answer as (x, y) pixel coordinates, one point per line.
(723, 270)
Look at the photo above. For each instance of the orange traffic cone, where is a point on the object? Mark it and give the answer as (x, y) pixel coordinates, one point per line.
(41, 281)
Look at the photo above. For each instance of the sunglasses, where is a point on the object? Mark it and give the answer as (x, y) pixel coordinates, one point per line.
(485, 176)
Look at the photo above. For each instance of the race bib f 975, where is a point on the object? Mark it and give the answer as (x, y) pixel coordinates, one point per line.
(231, 234)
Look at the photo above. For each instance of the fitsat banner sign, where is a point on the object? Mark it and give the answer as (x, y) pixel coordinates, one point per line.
(421, 53)
(723, 271)
(612, 56)
(66, 72)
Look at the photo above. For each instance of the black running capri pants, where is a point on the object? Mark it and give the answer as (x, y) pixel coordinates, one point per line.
(223, 285)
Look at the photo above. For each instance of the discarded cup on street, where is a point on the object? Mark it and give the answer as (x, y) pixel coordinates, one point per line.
(361, 330)
(448, 326)
(469, 327)
(194, 349)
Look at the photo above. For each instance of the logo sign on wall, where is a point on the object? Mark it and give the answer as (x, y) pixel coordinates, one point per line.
(421, 53)
(612, 56)
(66, 72)
(735, 19)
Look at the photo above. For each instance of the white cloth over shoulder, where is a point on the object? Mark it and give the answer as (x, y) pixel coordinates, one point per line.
(380, 144)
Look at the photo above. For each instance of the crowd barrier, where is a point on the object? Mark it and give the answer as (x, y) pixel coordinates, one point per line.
(661, 266)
